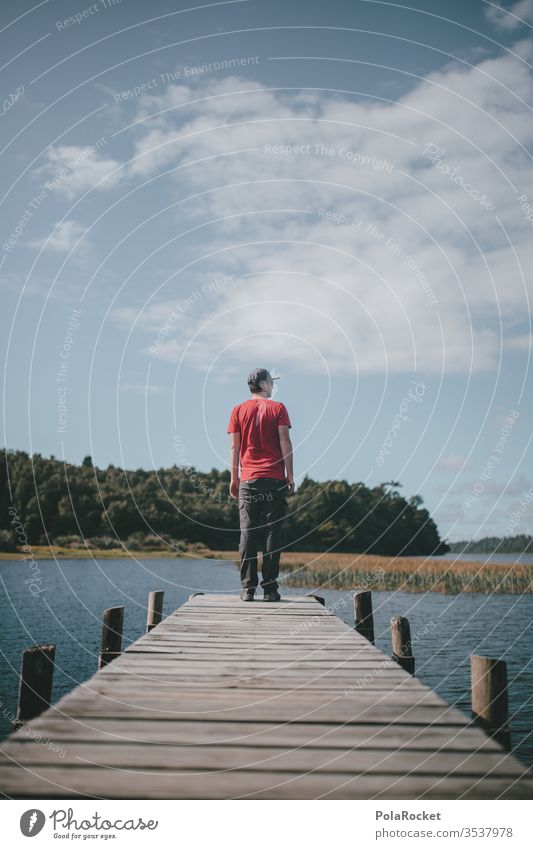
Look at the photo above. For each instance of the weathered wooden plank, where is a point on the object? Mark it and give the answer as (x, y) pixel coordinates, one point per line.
(259, 638)
(276, 650)
(351, 674)
(210, 654)
(329, 633)
(197, 652)
(263, 710)
(87, 782)
(277, 632)
(267, 687)
(282, 759)
(248, 613)
(301, 649)
(178, 666)
(302, 638)
(348, 735)
(237, 608)
(265, 705)
(216, 599)
(362, 679)
(341, 700)
(302, 646)
(268, 619)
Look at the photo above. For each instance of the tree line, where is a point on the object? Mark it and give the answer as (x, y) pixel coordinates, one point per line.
(58, 502)
(519, 544)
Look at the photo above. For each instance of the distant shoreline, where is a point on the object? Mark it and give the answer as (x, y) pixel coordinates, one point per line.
(322, 570)
(47, 552)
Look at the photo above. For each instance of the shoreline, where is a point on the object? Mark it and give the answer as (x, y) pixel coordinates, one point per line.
(47, 552)
(338, 571)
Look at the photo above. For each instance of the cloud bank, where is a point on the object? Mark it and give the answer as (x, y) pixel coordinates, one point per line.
(360, 236)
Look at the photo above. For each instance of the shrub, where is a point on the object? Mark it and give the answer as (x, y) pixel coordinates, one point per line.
(103, 542)
(69, 541)
(7, 541)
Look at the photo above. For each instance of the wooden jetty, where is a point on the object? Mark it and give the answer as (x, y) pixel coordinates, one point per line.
(231, 700)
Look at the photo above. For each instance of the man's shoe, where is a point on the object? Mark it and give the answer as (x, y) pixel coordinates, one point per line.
(247, 595)
(272, 595)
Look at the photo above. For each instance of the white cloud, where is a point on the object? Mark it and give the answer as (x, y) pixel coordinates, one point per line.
(71, 169)
(338, 297)
(63, 237)
(512, 17)
(453, 462)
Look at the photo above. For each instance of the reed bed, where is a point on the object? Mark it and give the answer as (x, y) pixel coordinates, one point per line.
(409, 574)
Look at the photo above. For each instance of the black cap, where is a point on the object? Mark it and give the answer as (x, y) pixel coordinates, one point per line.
(259, 374)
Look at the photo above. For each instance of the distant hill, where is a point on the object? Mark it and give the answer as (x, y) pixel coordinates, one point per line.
(61, 502)
(502, 545)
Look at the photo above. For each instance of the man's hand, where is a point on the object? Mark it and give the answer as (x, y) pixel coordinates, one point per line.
(290, 486)
(234, 488)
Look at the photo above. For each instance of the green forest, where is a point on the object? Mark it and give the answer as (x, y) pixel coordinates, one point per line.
(59, 503)
(521, 543)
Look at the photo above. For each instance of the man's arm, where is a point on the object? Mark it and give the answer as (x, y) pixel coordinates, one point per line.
(235, 454)
(286, 453)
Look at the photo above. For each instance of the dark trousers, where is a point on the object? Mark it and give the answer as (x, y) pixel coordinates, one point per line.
(262, 509)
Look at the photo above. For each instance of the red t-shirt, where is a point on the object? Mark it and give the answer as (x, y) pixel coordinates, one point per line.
(257, 421)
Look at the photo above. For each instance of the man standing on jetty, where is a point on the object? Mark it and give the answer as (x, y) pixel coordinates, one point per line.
(259, 434)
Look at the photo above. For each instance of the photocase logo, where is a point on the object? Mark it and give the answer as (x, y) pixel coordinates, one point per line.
(32, 822)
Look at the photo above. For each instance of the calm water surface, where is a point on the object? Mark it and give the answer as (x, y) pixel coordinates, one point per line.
(445, 629)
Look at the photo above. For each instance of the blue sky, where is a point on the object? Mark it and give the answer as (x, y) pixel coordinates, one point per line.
(339, 192)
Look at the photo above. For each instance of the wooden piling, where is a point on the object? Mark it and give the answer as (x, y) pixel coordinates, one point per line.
(111, 643)
(155, 609)
(402, 647)
(364, 619)
(36, 676)
(490, 707)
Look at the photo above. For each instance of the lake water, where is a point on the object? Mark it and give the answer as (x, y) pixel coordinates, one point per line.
(445, 629)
